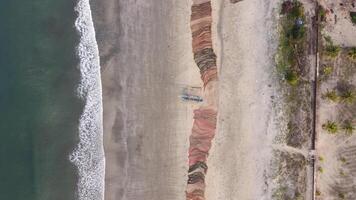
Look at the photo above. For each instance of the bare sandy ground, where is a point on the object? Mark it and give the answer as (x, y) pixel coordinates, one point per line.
(339, 25)
(336, 174)
(146, 57)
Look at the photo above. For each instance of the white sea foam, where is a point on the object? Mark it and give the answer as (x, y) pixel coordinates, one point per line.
(89, 154)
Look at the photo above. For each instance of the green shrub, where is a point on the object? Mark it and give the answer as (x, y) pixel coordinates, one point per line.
(317, 193)
(322, 13)
(291, 77)
(343, 160)
(332, 50)
(353, 17)
(327, 70)
(352, 53)
(328, 39)
(348, 127)
(296, 10)
(320, 169)
(331, 95)
(348, 96)
(331, 127)
(292, 41)
(297, 33)
(321, 159)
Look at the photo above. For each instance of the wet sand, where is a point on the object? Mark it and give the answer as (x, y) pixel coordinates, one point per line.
(146, 58)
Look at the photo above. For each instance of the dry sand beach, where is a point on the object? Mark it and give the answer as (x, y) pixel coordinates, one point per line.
(240, 158)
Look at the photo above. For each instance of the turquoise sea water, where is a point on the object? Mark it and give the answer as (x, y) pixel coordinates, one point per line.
(39, 108)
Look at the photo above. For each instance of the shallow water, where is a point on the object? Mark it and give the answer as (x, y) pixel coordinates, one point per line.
(39, 107)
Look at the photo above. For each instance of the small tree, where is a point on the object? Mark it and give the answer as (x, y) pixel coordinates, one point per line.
(322, 13)
(332, 50)
(331, 127)
(327, 70)
(348, 96)
(343, 160)
(320, 169)
(331, 95)
(348, 128)
(317, 193)
(321, 158)
(291, 77)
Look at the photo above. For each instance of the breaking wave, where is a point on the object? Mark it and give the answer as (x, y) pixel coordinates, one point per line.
(88, 156)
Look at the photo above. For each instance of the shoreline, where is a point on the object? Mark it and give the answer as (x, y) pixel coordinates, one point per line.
(88, 156)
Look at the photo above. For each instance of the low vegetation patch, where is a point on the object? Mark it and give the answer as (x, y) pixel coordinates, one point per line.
(331, 127)
(292, 41)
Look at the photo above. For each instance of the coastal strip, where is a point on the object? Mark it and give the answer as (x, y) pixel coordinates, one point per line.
(88, 156)
(205, 117)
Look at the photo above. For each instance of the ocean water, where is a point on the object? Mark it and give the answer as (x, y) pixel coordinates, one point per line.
(50, 103)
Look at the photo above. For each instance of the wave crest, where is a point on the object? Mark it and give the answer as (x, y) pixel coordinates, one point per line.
(88, 156)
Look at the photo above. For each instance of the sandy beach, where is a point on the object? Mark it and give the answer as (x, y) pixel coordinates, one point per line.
(146, 58)
(240, 159)
(146, 61)
(178, 100)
